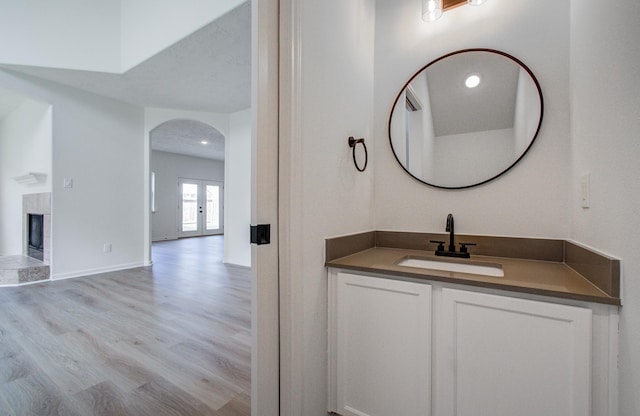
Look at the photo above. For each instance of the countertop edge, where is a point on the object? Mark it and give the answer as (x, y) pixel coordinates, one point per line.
(461, 281)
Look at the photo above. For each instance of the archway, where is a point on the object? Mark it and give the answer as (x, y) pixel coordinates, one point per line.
(190, 154)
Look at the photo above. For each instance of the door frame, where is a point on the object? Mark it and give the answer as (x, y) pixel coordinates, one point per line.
(291, 193)
(265, 297)
(265, 199)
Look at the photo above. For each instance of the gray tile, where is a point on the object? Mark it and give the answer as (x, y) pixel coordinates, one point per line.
(38, 273)
(22, 269)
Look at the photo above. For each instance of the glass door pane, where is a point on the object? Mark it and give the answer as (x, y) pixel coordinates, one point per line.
(213, 207)
(190, 207)
(201, 207)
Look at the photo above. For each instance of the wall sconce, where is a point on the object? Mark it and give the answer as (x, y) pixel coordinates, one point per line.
(433, 9)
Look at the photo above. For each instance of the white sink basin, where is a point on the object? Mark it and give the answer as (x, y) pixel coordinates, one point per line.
(485, 269)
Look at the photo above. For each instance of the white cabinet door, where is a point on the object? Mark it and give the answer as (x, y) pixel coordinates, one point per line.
(503, 356)
(382, 347)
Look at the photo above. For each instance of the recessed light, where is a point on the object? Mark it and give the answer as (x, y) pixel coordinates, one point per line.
(204, 142)
(472, 81)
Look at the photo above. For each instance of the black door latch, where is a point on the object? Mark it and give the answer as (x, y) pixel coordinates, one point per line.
(261, 234)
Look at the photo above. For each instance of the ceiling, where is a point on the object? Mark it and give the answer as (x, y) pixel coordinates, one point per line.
(457, 109)
(210, 70)
(186, 136)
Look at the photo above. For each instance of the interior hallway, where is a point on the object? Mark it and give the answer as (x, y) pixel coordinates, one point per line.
(172, 339)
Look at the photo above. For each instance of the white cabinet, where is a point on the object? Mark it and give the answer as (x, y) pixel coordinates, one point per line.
(412, 348)
(502, 356)
(381, 347)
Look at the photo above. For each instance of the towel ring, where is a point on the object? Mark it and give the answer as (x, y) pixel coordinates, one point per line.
(353, 143)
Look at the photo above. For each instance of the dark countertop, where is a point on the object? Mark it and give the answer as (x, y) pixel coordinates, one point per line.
(548, 278)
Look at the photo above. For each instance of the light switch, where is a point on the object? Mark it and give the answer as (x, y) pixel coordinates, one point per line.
(68, 183)
(585, 190)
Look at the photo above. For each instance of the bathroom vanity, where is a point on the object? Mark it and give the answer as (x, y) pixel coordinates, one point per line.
(405, 339)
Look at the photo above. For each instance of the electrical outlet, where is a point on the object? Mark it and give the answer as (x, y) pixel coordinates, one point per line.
(68, 183)
(107, 248)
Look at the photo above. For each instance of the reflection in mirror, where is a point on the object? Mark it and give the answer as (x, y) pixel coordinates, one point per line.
(465, 118)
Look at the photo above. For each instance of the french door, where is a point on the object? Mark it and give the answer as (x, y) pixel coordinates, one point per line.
(200, 207)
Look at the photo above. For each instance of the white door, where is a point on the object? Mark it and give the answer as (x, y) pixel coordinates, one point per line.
(200, 207)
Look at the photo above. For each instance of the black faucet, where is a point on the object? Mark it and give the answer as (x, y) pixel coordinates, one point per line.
(449, 229)
(451, 252)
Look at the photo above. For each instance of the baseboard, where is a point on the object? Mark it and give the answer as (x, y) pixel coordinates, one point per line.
(242, 266)
(89, 272)
(167, 238)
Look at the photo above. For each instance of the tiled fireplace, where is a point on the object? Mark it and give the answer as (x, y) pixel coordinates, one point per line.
(34, 206)
(33, 264)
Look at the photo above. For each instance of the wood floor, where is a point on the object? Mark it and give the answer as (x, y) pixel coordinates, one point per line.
(172, 339)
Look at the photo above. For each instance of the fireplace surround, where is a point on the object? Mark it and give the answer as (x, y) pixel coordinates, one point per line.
(33, 264)
(36, 235)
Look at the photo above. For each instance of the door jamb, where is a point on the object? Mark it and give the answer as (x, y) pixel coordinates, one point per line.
(265, 331)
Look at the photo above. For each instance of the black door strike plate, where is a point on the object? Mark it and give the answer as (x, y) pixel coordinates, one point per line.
(261, 234)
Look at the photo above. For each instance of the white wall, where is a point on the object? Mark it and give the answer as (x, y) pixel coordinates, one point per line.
(25, 146)
(98, 143)
(605, 55)
(456, 156)
(149, 26)
(99, 35)
(593, 128)
(329, 196)
(531, 199)
(74, 34)
(237, 249)
(168, 167)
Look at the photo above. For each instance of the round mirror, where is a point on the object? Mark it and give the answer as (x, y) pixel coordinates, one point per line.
(465, 118)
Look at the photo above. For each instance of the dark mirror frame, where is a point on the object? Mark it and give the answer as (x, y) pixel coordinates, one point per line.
(533, 139)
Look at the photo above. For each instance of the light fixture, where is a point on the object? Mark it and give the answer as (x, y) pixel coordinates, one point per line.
(433, 9)
(472, 81)
(204, 142)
